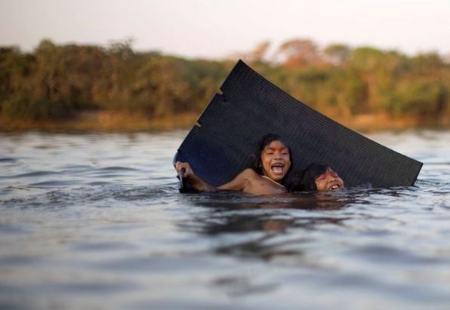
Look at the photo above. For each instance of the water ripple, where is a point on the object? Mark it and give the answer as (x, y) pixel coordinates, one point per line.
(88, 216)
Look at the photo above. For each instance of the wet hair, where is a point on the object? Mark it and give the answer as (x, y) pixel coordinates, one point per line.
(265, 141)
(306, 180)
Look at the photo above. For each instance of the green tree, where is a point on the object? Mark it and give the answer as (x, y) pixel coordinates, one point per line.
(337, 54)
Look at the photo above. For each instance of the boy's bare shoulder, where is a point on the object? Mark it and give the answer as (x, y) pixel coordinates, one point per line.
(249, 172)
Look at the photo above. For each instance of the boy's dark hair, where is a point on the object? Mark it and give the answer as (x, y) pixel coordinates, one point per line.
(305, 180)
(265, 141)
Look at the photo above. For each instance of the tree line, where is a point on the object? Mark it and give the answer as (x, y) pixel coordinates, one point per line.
(55, 82)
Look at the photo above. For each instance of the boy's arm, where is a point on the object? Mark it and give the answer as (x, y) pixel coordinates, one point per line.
(239, 182)
(185, 171)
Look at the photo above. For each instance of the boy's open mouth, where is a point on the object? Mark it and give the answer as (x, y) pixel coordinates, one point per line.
(277, 168)
(334, 185)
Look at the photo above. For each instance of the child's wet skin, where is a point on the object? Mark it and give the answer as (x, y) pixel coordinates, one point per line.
(275, 160)
(329, 180)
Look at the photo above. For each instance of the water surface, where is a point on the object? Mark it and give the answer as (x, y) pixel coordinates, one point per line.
(95, 221)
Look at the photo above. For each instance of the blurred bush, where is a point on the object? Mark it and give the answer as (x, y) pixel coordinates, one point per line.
(58, 81)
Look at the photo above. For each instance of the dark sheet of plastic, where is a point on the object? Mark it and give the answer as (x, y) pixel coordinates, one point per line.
(221, 143)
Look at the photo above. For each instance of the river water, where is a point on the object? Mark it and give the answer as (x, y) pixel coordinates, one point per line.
(95, 221)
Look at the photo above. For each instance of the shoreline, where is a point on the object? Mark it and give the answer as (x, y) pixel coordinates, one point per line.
(107, 121)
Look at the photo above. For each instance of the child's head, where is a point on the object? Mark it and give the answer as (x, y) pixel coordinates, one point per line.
(318, 177)
(273, 158)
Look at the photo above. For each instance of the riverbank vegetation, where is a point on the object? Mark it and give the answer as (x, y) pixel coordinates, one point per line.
(117, 88)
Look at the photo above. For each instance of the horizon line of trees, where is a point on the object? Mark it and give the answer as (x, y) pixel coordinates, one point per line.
(56, 82)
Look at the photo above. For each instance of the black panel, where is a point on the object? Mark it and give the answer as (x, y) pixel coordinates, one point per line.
(220, 145)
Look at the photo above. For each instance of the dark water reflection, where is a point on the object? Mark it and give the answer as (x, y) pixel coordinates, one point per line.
(95, 221)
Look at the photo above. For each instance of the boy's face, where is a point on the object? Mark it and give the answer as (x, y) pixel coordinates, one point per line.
(275, 160)
(328, 181)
